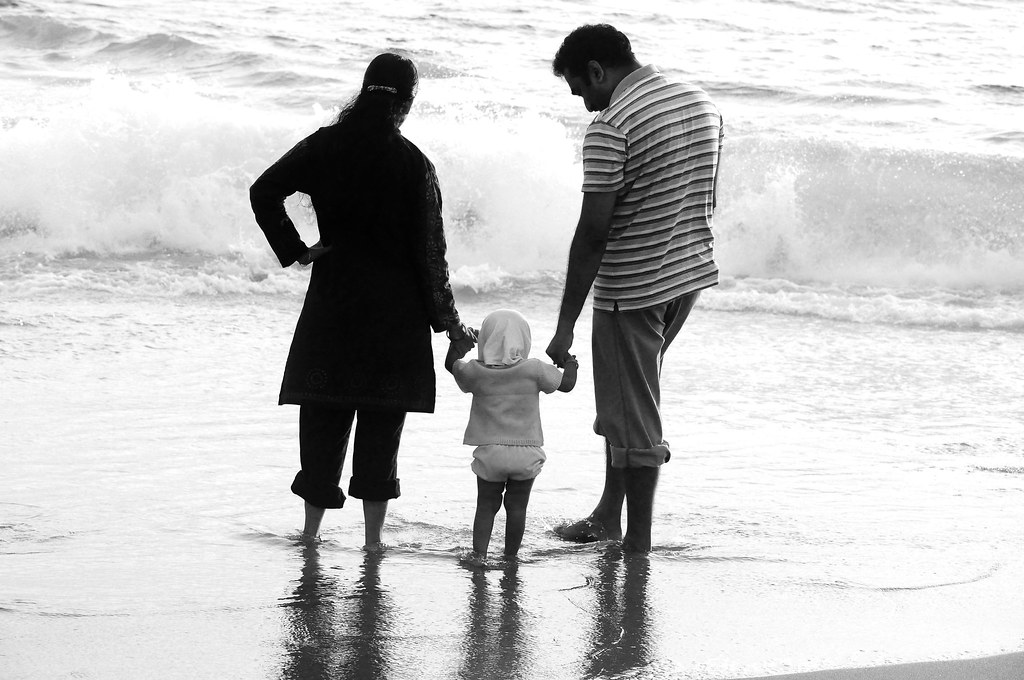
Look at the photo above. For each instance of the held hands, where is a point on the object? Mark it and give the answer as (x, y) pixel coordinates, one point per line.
(313, 253)
(462, 338)
(558, 348)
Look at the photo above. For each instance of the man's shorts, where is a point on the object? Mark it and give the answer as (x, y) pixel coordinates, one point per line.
(628, 348)
(500, 463)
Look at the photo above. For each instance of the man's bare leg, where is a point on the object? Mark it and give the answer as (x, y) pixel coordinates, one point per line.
(640, 484)
(605, 522)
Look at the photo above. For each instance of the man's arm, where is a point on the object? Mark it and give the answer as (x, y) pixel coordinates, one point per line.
(585, 253)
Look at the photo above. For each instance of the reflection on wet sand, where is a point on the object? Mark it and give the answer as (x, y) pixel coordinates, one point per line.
(354, 628)
(334, 635)
(620, 640)
(495, 644)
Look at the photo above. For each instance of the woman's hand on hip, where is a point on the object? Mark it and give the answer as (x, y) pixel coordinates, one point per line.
(314, 253)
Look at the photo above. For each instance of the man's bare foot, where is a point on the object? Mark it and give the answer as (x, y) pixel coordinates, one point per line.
(636, 547)
(587, 530)
(376, 548)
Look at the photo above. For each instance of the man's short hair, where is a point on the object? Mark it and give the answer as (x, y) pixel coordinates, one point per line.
(593, 42)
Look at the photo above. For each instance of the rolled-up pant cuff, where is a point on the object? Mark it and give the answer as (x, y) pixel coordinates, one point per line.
(318, 494)
(656, 456)
(374, 491)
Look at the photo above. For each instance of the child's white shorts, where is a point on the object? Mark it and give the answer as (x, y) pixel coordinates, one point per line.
(501, 462)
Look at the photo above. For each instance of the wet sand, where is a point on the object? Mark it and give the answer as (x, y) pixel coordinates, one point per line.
(1002, 667)
(313, 612)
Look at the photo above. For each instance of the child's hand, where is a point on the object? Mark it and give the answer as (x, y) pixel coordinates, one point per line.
(569, 367)
(459, 347)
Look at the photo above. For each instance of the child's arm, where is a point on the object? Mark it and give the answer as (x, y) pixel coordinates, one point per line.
(456, 350)
(569, 371)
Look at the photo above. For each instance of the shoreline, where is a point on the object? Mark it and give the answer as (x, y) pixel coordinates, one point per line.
(1000, 667)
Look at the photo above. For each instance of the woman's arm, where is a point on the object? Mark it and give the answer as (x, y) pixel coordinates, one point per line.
(456, 350)
(287, 176)
(431, 258)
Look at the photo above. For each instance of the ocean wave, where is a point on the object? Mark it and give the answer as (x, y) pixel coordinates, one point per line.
(924, 308)
(1007, 137)
(1014, 90)
(14, 224)
(825, 211)
(180, 275)
(832, 8)
(45, 40)
(841, 93)
(149, 169)
(742, 90)
(46, 33)
(269, 79)
(161, 53)
(154, 46)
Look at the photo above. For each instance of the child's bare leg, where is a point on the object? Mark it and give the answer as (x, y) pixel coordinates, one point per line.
(488, 502)
(517, 496)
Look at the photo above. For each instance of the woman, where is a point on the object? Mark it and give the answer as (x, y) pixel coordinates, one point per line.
(361, 350)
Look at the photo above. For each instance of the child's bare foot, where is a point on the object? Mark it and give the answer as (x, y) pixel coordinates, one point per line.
(586, 530)
(475, 560)
(309, 539)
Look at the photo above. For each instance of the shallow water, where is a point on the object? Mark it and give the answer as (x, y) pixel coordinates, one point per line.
(810, 516)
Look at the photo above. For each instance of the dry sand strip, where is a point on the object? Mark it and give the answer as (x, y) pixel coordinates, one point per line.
(1002, 667)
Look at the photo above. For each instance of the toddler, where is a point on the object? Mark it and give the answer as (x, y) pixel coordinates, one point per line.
(504, 422)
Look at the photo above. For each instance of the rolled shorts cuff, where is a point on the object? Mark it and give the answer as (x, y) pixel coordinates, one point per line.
(656, 456)
(318, 494)
(374, 491)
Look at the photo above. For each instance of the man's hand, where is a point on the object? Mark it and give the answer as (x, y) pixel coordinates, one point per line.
(558, 348)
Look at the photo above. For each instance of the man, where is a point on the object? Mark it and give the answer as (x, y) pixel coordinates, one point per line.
(644, 242)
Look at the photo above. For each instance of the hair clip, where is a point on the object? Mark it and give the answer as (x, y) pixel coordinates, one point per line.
(385, 88)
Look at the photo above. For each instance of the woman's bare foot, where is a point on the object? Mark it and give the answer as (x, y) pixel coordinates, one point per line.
(314, 516)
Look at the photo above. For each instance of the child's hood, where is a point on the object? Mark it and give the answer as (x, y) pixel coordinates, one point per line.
(504, 338)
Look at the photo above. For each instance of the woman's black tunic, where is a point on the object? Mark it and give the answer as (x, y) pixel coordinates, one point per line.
(363, 336)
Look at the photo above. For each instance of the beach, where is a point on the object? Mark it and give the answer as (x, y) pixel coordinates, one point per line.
(846, 408)
(149, 531)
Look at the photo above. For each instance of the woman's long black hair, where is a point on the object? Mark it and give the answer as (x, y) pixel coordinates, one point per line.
(378, 176)
(368, 125)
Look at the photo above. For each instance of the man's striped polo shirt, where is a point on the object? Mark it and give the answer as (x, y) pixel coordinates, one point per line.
(656, 145)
